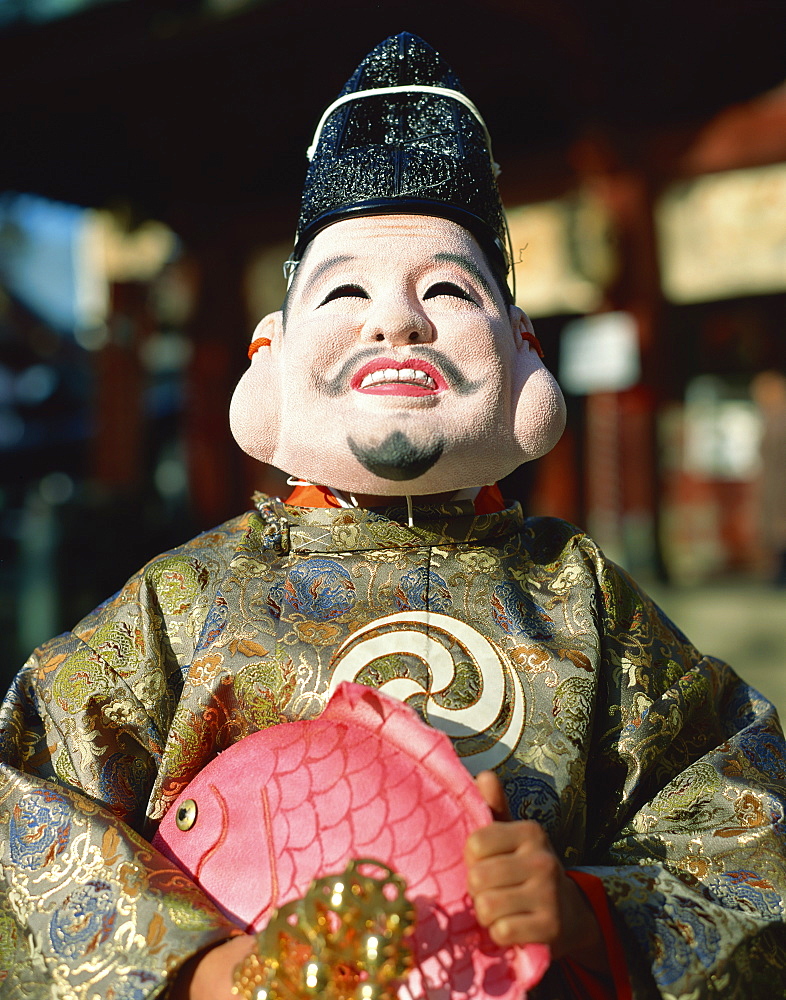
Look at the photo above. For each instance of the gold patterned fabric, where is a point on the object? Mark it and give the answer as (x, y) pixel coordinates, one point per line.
(651, 766)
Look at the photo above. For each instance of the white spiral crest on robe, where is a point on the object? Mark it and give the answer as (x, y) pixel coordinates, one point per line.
(440, 642)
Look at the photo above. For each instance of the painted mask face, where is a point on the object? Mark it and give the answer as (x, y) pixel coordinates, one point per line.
(399, 368)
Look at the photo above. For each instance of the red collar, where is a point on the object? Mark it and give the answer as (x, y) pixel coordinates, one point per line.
(488, 501)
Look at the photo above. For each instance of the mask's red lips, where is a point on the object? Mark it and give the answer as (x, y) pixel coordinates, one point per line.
(386, 377)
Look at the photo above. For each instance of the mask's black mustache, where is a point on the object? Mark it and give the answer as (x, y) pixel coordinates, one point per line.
(453, 375)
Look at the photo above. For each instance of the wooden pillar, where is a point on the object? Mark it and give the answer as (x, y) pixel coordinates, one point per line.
(119, 435)
(621, 443)
(218, 331)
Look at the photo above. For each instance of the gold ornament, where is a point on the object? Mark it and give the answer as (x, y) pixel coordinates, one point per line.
(344, 940)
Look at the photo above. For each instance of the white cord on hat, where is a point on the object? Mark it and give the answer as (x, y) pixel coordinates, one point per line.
(409, 88)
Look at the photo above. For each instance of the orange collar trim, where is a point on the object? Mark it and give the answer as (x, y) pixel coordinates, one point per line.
(488, 501)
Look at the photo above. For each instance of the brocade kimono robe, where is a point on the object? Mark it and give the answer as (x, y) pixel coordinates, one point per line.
(651, 766)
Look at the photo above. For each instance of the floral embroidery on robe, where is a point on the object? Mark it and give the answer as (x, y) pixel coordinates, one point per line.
(651, 766)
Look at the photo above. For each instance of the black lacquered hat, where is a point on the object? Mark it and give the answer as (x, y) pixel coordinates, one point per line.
(403, 137)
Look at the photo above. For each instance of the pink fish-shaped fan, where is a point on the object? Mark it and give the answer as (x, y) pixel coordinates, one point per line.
(367, 779)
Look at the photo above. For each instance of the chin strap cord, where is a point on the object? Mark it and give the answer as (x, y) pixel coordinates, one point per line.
(339, 496)
(410, 519)
(342, 498)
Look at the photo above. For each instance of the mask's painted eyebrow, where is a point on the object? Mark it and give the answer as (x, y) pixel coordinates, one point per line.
(469, 266)
(322, 268)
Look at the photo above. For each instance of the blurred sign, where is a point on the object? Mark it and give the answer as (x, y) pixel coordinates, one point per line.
(721, 433)
(724, 235)
(132, 254)
(562, 254)
(59, 259)
(46, 261)
(599, 354)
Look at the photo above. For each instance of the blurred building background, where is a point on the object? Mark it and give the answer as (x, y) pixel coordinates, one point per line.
(152, 159)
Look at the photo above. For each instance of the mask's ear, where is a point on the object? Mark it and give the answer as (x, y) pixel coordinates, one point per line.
(254, 414)
(538, 404)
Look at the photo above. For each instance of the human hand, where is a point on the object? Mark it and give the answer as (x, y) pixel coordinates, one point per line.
(208, 975)
(520, 890)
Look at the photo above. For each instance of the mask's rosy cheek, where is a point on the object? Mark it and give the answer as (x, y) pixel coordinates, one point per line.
(254, 413)
(539, 409)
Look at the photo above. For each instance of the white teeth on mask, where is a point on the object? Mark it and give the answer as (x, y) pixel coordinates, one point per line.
(411, 375)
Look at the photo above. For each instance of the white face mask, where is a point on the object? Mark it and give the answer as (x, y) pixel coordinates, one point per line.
(401, 370)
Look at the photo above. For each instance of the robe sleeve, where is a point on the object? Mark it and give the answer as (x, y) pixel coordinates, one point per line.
(88, 910)
(686, 809)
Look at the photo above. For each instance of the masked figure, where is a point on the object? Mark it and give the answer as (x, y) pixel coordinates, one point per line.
(397, 385)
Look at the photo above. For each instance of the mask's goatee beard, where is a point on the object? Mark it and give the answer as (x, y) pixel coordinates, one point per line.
(396, 458)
